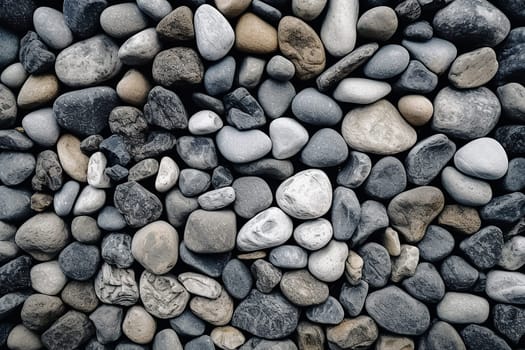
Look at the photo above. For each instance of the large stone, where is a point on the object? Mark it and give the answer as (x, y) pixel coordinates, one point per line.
(483, 158)
(138, 205)
(163, 296)
(253, 35)
(15, 275)
(302, 289)
(328, 264)
(506, 287)
(156, 247)
(116, 286)
(82, 16)
(339, 28)
(463, 308)
(213, 33)
(69, 332)
(177, 66)
(357, 333)
(269, 228)
(210, 231)
(242, 146)
(474, 68)
(509, 57)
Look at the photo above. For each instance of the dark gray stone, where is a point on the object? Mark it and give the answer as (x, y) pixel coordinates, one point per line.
(241, 99)
(244, 121)
(17, 15)
(34, 54)
(417, 79)
(157, 143)
(201, 343)
(437, 244)
(237, 279)
(312, 107)
(68, 332)
(355, 171)
(389, 61)
(188, 325)
(115, 150)
(128, 122)
(387, 179)
(117, 172)
(91, 144)
(352, 298)
(514, 179)
(512, 138)
(427, 158)
(512, 98)
(193, 182)
(266, 276)
(510, 55)
(509, 320)
(288, 257)
(10, 45)
(418, 31)
(208, 102)
(508, 208)
(426, 284)
(209, 264)
(14, 275)
(442, 336)
(408, 10)
(107, 320)
(458, 274)
(110, 219)
(178, 207)
(218, 78)
(138, 205)
(116, 250)
(14, 140)
(345, 213)
(48, 172)
(330, 312)
(5, 329)
(398, 312)
(79, 261)
(484, 247)
(197, 152)
(82, 16)
(246, 204)
(10, 302)
(373, 218)
(376, 264)
(221, 177)
(93, 104)
(482, 338)
(267, 167)
(326, 148)
(275, 97)
(268, 316)
(165, 109)
(280, 68)
(15, 204)
(177, 66)
(266, 11)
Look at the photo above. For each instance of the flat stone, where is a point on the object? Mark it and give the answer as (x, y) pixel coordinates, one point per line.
(79, 261)
(84, 229)
(14, 140)
(361, 91)
(329, 312)
(229, 142)
(116, 286)
(141, 48)
(219, 77)
(426, 284)
(217, 312)
(442, 335)
(267, 167)
(288, 257)
(458, 274)
(251, 71)
(436, 54)
(377, 266)
(474, 68)
(302, 289)
(213, 34)
(463, 308)
(460, 218)
(210, 231)
(465, 189)
(193, 182)
(312, 107)
(346, 213)
(89, 201)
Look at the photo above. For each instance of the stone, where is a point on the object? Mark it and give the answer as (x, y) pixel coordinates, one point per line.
(163, 296)
(361, 91)
(210, 231)
(14, 140)
(474, 68)
(298, 203)
(275, 97)
(436, 54)
(17, 205)
(279, 229)
(79, 261)
(354, 333)
(193, 182)
(237, 279)
(219, 77)
(41, 126)
(155, 247)
(484, 247)
(346, 213)
(511, 138)
(505, 286)
(138, 205)
(300, 44)
(116, 286)
(418, 31)
(143, 170)
(14, 75)
(204, 342)
(387, 178)
(325, 148)
(94, 104)
(328, 264)
(426, 284)
(200, 285)
(442, 335)
(40, 311)
(338, 31)
(389, 61)
(197, 152)
(312, 107)
(11, 44)
(288, 137)
(329, 312)
(352, 297)
(310, 336)
(467, 22)
(133, 88)
(122, 20)
(405, 264)
(37, 90)
(69, 331)
(255, 36)
(482, 338)
(463, 308)
(15, 275)
(303, 289)
(41, 201)
(138, 325)
(513, 254)
(217, 312)
(266, 315)
(89, 201)
(493, 165)
(398, 312)
(509, 321)
(229, 142)
(460, 218)
(427, 158)
(227, 337)
(187, 324)
(9, 109)
(217, 199)
(251, 71)
(246, 205)
(510, 96)
(509, 56)
(416, 109)
(355, 171)
(353, 268)
(178, 207)
(141, 48)
(390, 135)
(165, 109)
(92, 71)
(16, 167)
(373, 217)
(83, 17)
(465, 189)
(177, 66)
(513, 181)
(507, 208)
(34, 54)
(458, 274)
(21, 338)
(204, 122)
(156, 9)
(107, 320)
(116, 250)
(308, 10)
(73, 161)
(280, 68)
(213, 34)
(267, 167)
(377, 266)
(288, 257)
(417, 79)
(84, 229)
(48, 278)
(313, 234)
(266, 276)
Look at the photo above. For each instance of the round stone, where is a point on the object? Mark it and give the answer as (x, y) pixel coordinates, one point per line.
(14, 75)
(204, 122)
(89, 201)
(505, 286)
(79, 261)
(141, 48)
(325, 148)
(483, 158)
(307, 9)
(138, 205)
(37, 90)
(437, 244)
(379, 23)
(436, 54)
(246, 204)
(16, 167)
(242, 146)
(255, 36)
(389, 61)
(275, 97)
(270, 228)
(280, 68)
(155, 246)
(313, 234)
(210, 231)
(122, 20)
(463, 308)
(163, 296)
(302, 289)
(8, 109)
(21, 338)
(465, 189)
(387, 179)
(338, 30)
(288, 137)
(474, 68)
(288, 257)
(138, 325)
(217, 312)
(237, 279)
(312, 107)
(328, 264)
(51, 27)
(41, 126)
(416, 109)
(213, 34)
(48, 278)
(73, 160)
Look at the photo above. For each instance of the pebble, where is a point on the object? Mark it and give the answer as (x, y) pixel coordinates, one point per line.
(219, 77)
(178, 207)
(272, 168)
(389, 61)
(288, 257)
(308, 10)
(417, 79)
(34, 54)
(478, 337)
(426, 284)
(275, 97)
(143, 170)
(41, 127)
(266, 276)
(300, 44)
(508, 58)
(200, 285)
(204, 122)
(217, 199)
(373, 217)
(328, 264)
(138, 205)
(416, 109)
(507, 208)
(96, 176)
(141, 48)
(69, 331)
(227, 337)
(405, 264)
(390, 134)
(361, 91)
(338, 31)
(436, 54)
(510, 96)
(177, 66)
(116, 250)
(418, 31)
(505, 286)
(391, 242)
(242, 146)
(458, 274)
(463, 308)
(484, 247)
(387, 178)
(266, 315)
(511, 138)
(288, 137)
(51, 27)
(513, 181)
(177, 25)
(352, 298)
(513, 254)
(37, 90)
(213, 33)
(329, 312)
(346, 212)
(187, 324)
(16, 167)
(89, 201)
(313, 234)
(217, 312)
(155, 246)
(508, 320)
(48, 278)
(465, 189)
(313, 107)
(116, 286)
(398, 312)
(163, 296)
(237, 279)
(280, 68)
(279, 226)
(156, 9)
(201, 343)
(355, 171)
(210, 231)
(122, 20)
(232, 8)
(303, 289)
(11, 45)
(15, 275)
(460, 218)
(193, 182)
(325, 148)
(83, 17)
(14, 140)
(101, 65)
(473, 69)
(80, 296)
(251, 71)
(107, 320)
(412, 211)
(138, 325)
(378, 24)
(493, 165)
(21, 338)
(297, 197)
(14, 75)
(255, 36)
(40, 311)
(48, 172)
(79, 261)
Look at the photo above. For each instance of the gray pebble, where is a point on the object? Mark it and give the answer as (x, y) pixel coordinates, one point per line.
(82, 17)
(16, 204)
(107, 320)
(330, 312)
(178, 207)
(188, 325)
(312, 107)
(482, 338)
(373, 218)
(201, 343)
(280, 68)
(165, 109)
(218, 78)
(325, 148)
(84, 229)
(116, 250)
(79, 261)
(288, 257)
(123, 20)
(377, 265)
(156, 9)
(51, 27)
(418, 31)
(355, 171)
(217, 199)
(221, 177)
(426, 284)
(510, 321)
(244, 121)
(42, 127)
(458, 274)
(511, 96)
(352, 298)
(208, 102)
(144, 169)
(387, 179)
(110, 219)
(116, 172)
(193, 182)
(64, 199)
(251, 71)
(34, 54)
(507, 208)
(266, 276)
(16, 167)
(514, 179)
(14, 140)
(388, 62)
(14, 75)
(197, 152)
(10, 44)
(266, 11)
(437, 244)
(465, 189)
(267, 167)
(484, 247)
(141, 48)
(209, 264)
(237, 279)
(275, 97)
(436, 54)
(345, 213)
(442, 336)
(417, 79)
(48, 172)
(138, 205)
(242, 146)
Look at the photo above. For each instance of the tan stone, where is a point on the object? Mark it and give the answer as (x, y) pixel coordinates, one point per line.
(405, 264)
(260, 254)
(133, 88)
(232, 8)
(310, 336)
(391, 242)
(38, 90)
(253, 35)
(156, 247)
(177, 25)
(138, 325)
(416, 109)
(300, 44)
(227, 338)
(41, 201)
(217, 312)
(21, 338)
(388, 342)
(73, 161)
(353, 268)
(359, 332)
(460, 218)
(473, 69)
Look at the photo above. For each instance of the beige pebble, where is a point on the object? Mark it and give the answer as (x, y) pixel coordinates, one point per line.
(73, 161)
(138, 325)
(353, 268)
(232, 8)
(355, 333)
(391, 242)
(217, 312)
(38, 90)
(253, 35)
(405, 264)
(21, 338)
(460, 218)
(388, 342)
(227, 338)
(41, 201)
(416, 109)
(133, 88)
(259, 254)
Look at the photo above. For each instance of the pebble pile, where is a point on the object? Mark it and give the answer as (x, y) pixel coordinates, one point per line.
(262, 174)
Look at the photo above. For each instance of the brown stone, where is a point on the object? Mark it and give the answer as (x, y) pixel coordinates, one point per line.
(177, 25)
(389, 342)
(41, 201)
(359, 332)
(301, 45)
(73, 161)
(310, 336)
(217, 312)
(460, 218)
(416, 109)
(232, 8)
(133, 88)
(253, 35)
(38, 90)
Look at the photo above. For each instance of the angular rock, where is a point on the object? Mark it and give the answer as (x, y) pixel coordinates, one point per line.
(138, 205)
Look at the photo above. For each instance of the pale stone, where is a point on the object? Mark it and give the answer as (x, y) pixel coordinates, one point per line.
(227, 337)
(353, 268)
(270, 228)
(163, 296)
(73, 161)
(89, 201)
(217, 312)
(96, 175)
(339, 29)
(328, 263)
(313, 234)
(200, 285)
(138, 325)
(167, 175)
(48, 278)
(391, 242)
(405, 264)
(416, 109)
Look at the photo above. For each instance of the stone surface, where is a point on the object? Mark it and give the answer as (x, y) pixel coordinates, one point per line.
(465, 189)
(210, 231)
(116, 286)
(138, 325)
(328, 263)
(493, 165)
(138, 205)
(376, 264)
(79, 261)
(339, 31)
(217, 312)
(505, 286)
(269, 228)
(155, 246)
(107, 320)
(177, 66)
(254, 35)
(480, 337)
(163, 296)
(474, 68)
(378, 24)
(213, 33)
(329, 312)
(463, 308)
(388, 62)
(416, 109)
(70, 331)
(242, 146)
(302, 289)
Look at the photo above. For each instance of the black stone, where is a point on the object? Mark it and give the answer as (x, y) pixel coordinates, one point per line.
(482, 338)
(115, 150)
(197, 152)
(17, 14)
(514, 179)
(209, 264)
(426, 284)
(68, 332)
(14, 275)
(417, 79)
(376, 266)
(267, 167)
(208, 102)
(441, 336)
(387, 179)
(117, 172)
(484, 247)
(165, 109)
(10, 45)
(15, 204)
(352, 298)
(48, 172)
(221, 177)
(156, 144)
(509, 320)
(138, 205)
(85, 112)
(244, 121)
(408, 10)
(79, 261)
(34, 55)
(512, 138)
(458, 274)
(82, 16)
(508, 208)
(243, 100)
(436, 245)
(268, 316)
(510, 58)
(188, 325)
